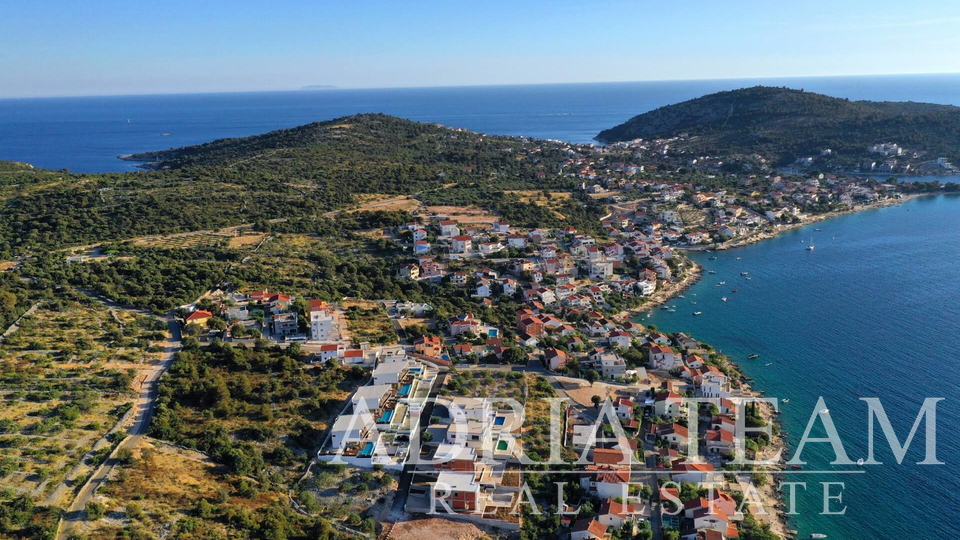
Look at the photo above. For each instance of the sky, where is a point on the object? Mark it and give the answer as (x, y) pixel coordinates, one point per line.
(112, 47)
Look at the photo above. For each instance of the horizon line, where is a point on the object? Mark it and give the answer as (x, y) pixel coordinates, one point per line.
(335, 88)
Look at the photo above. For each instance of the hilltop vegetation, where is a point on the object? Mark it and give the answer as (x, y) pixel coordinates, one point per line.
(291, 173)
(783, 124)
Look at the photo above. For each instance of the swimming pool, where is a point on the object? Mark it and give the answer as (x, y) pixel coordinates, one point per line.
(404, 390)
(385, 417)
(502, 445)
(499, 421)
(367, 450)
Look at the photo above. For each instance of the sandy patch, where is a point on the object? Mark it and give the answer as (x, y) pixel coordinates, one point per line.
(436, 528)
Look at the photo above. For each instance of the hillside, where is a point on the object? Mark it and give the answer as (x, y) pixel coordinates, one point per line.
(784, 124)
(303, 171)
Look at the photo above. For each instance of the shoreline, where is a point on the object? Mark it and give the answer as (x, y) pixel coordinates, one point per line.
(775, 515)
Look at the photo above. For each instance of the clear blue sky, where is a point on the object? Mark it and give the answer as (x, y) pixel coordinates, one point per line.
(69, 47)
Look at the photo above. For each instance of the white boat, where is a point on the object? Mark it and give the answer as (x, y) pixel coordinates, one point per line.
(860, 462)
(824, 411)
(744, 273)
(784, 400)
(695, 313)
(768, 364)
(724, 299)
(739, 258)
(723, 282)
(811, 246)
(712, 272)
(818, 535)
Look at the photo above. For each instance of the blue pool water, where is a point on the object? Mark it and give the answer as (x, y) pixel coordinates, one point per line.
(367, 450)
(404, 390)
(386, 417)
(499, 421)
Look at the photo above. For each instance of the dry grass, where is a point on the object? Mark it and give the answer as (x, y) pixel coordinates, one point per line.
(437, 528)
(7, 265)
(238, 242)
(183, 241)
(464, 214)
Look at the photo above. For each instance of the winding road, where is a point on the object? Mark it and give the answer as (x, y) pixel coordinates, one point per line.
(144, 407)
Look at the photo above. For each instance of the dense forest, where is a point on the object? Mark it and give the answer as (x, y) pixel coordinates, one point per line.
(784, 124)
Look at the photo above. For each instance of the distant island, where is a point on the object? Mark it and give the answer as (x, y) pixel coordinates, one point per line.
(319, 87)
(802, 129)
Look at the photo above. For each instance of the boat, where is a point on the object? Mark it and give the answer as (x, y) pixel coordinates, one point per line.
(752, 356)
(824, 411)
(744, 273)
(818, 535)
(164, 134)
(818, 230)
(749, 278)
(713, 257)
(712, 272)
(739, 258)
(785, 400)
(693, 302)
(723, 282)
(681, 296)
(860, 462)
(811, 246)
(735, 290)
(768, 364)
(695, 313)
(724, 298)
(797, 467)
(671, 310)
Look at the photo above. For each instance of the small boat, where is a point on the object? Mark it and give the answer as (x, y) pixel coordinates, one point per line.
(693, 302)
(164, 134)
(749, 278)
(785, 400)
(744, 273)
(723, 282)
(797, 467)
(811, 246)
(713, 257)
(695, 313)
(818, 230)
(752, 356)
(860, 462)
(724, 299)
(735, 290)
(671, 310)
(681, 296)
(818, 535)
(768, 364)
(712, 272)
(824, 411)
(739, 258)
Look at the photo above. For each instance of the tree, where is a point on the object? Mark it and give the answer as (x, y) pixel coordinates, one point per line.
(95, 510)
(596, 400)
(8, 301)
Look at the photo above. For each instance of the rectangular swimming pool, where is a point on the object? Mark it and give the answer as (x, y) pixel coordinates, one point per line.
(404, 390)
(385, 417)
(499, 421)
(367, 450)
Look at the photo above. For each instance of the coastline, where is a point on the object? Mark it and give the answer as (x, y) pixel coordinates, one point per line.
(774, 510)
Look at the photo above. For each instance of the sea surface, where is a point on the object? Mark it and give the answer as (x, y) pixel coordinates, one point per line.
(87, 134)
(872, 311)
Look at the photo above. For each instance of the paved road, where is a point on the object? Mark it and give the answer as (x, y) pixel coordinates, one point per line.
(144, 406)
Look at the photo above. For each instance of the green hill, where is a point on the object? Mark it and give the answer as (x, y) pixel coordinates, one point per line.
(303, 171)
(784, 124)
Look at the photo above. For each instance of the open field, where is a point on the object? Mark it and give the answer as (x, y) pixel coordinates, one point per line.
(464, 214)
(541, 198)
(369, 324)
(184, 241)
(66, 378)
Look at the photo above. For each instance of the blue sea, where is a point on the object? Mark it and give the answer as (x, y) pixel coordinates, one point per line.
(872, 312)
(87, 134)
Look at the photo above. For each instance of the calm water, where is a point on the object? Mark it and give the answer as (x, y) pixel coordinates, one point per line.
(87, 134)
(873, 312)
